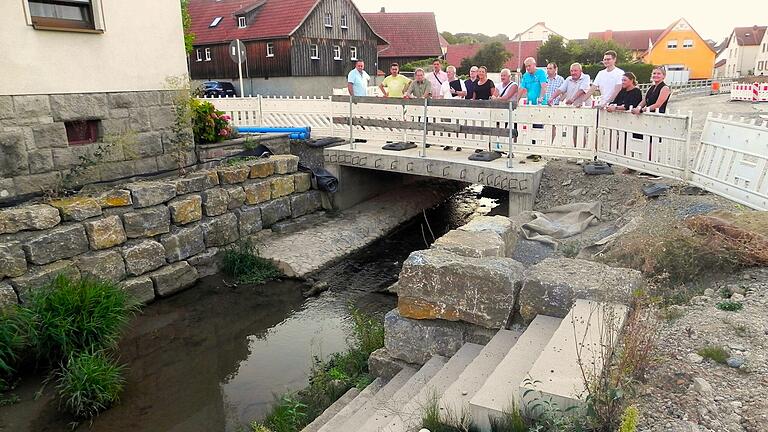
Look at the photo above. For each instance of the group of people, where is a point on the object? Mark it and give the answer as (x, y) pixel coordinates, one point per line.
(618, 89)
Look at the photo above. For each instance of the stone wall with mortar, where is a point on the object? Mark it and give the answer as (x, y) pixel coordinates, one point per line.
(154, 238)
(35, 154)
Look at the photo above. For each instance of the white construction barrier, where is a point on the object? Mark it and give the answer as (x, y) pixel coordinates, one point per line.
(755, 92)
(561, 131)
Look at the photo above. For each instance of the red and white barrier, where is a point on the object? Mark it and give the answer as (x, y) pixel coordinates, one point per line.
(756, 92)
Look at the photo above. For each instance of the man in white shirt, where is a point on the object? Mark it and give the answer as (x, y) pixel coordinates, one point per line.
(453, 88)
(357, 80)
(506, 89)
(574, 88)
(437, 77)
(607, 80)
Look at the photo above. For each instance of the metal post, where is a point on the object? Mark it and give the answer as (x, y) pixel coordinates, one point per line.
(511, 132)
(686, 148)
(424, 140)
(330, 110)
(351, 139)
(240, 68)
(261, 113)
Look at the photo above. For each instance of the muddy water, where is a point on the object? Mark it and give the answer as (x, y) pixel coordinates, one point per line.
(214, 357)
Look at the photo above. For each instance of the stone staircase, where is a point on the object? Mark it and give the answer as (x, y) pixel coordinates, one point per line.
(483, 382)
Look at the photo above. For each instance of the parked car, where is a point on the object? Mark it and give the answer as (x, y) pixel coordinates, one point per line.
(219, 89)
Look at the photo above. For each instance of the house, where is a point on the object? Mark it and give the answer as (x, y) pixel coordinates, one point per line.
(72, 84)
(741, 53)
(443, 45)
(293, 47)
(518, 51)
(680, 48)
(411, 36)
(636, 41)
(761, 61)
(537, 32)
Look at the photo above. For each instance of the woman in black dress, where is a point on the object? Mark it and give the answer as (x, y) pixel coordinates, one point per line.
(484, 88)
(628, 97)
(657, 96)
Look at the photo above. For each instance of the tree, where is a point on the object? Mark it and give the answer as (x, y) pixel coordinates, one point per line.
(592, 51)
(492, 56)
(554, 50)
(186, 22)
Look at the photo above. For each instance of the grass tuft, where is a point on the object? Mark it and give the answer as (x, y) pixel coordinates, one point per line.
(730, 306)
(715, 353)
(510, 421)
(89, 383)
(18, 330)
(248, 268)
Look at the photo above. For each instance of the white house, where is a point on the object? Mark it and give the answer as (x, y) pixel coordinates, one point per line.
(740, 55)
(537, 32)
(761, 61)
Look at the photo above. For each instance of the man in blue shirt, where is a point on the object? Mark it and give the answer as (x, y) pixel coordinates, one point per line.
(357, 80)
(533, 84)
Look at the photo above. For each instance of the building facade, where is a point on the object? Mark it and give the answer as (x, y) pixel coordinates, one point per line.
(538, 32)
(761, 61)
(638, 42)
(745, 45)
(680, 48)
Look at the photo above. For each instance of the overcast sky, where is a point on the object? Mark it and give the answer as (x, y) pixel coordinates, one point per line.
(575, 19)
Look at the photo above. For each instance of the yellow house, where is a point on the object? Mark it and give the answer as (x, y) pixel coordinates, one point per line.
(679, 48)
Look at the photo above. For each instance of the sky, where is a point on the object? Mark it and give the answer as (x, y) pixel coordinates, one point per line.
(575, 19)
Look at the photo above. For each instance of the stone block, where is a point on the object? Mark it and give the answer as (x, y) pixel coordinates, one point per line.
(114, 198)
(215, 202)
(40, 276)
(383, 365)
(13, 263)
(186, 209)
(196, 182)
(553, 286)
(473, 244)
(50, 135)
(147, 194)
(257, 192)
(234, 175)
(236, 196)
(40, 161)
(77, 208)
(37, 183)
(146, 166)
(281, 186)
(105, 233)
(275, 211)
(122, 100)
(14, 160)
(64, 158)
(105, 265)
(147, 222)
(182, 243)
(32, 106)
(8, 296)
(6, 107)
(302, 182)
(117, 126)
(262, 168)
(206, 263)
(31, 217)
(141, 289)
(148, 144)
(84, 106)
(7, 188)
(57, 244)
(221, 230)
(285, 164)
(174, 278)
(163, 117)
(248, 220)
(501, 225)
(143, 257)
(139, 119)
(305, 203)
(436, 284)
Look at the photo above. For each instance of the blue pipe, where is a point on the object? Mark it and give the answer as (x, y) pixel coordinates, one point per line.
(255, 129)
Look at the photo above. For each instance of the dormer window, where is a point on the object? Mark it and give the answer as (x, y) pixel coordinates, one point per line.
(241, 22)
(328, 20)
(215, 22)
(344, 22)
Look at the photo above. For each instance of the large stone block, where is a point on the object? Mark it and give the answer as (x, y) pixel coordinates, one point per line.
(383, 365)
(236, 197)
(196, 182)
(436, 284)
(275, 211)
(262, 168)
(139, 119)
(66, 107)
(50, 135)
(40, 161)
(6, 107)
(148, 144)
(501, 225)
(147, 222)
(221, 230)
(174, 278)
(32, 106)
(257, 192)
(147, 194)
(163, 117)
(285, 164)
(306, 203)
(37, 183)
(215, 202)
(105, 265)
(207, 263)
(105, 233)
(8, 296)
(302, 181)
(77, 208)
(182, 243)
(553, 286)
(281, 186)
(248, 220)
(114, 198)
(57, 244)
(13, 152)
(234, 175)
(13, 263)
(40, 276)
(140, 289)
(64, 158)
(32, 217)
(473, 244)
(143, 257)
(123, 100)
(186, 209)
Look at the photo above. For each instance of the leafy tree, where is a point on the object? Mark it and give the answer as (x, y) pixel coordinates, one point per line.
(592, 50)
(554, 50)
(492, 55)
(186, 22)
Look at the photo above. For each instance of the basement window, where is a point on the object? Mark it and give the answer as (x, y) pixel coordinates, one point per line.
(70, 15)
(81, 132)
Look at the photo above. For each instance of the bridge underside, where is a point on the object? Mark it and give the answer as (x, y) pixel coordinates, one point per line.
(356, 181)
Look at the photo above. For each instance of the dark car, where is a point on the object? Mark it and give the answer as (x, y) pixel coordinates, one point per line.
(219, 89)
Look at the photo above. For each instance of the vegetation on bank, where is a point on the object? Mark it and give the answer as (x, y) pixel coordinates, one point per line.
(246, 266)
(329, 379)
(69, 329)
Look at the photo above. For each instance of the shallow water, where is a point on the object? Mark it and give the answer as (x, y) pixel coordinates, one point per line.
(214, 357)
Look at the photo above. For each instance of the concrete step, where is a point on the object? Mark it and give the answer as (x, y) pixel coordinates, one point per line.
(556, 374)
(356, 418)
(348, 410)
(410, 415)
(455, 400)
(332, 410)
(499, 393)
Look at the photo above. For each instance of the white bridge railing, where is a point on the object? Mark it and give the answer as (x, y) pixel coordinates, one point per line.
(731, 160)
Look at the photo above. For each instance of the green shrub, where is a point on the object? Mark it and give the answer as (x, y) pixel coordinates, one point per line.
(288, 416)
(209, 124)
(730, 306)
(248, 268)
(77, 316)
(18, 330)
(367, 330)
(89, 383)
(629, 419)
(641, 70)
(715, 353)
(425, 64)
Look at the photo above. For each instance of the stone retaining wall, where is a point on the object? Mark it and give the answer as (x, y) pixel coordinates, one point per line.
(155, 238)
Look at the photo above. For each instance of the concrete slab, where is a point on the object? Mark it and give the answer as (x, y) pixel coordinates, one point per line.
(582, 337)
(499, 393)
(351, 408)
(332, 410)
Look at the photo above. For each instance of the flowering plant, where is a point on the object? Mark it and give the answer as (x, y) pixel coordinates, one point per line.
(209, 124)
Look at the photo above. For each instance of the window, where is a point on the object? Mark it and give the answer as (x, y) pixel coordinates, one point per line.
(207, 54)
(199, 55)
(328, 20)
(215, 22)
(81, 132)
(270, 49)
(336, 52)
(344, 21)
(62, 14)
(314, 52)
(688, 43)
(353, 53)
(672, 44)
(241, 22)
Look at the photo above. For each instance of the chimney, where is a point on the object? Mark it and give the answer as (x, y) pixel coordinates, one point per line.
(382, 10)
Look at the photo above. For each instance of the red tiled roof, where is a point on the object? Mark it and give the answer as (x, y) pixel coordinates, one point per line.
(457, 53)
(443, 42)
(749, 35)
(410, 34)
(636, 40)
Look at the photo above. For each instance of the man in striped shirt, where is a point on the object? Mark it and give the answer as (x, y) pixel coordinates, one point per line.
(554, 81)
